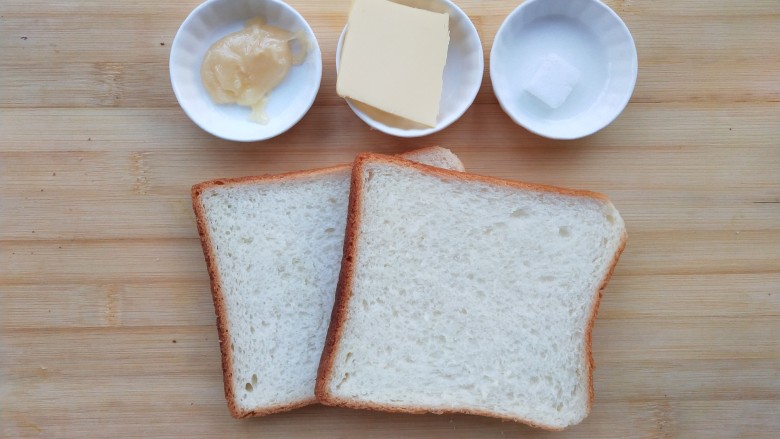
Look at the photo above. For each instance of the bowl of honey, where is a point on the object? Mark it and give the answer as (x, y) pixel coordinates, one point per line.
(245, 70)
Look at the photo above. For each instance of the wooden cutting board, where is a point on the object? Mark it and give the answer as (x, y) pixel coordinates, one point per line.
(106, 322)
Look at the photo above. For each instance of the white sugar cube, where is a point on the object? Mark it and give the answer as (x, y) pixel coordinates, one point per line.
(553, 81)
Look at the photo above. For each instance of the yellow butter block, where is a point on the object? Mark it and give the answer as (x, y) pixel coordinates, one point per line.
(393, 59)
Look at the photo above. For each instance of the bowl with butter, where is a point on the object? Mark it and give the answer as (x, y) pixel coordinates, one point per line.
(563, 69)
(245, 70)
(408, 68)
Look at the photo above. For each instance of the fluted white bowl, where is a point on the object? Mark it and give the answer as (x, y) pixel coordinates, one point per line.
(589, 36)
(287, 103)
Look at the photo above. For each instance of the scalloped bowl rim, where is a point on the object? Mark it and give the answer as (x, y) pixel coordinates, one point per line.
(237, 116)
(548, 130)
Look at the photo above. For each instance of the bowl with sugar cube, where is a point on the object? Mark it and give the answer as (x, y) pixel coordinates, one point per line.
(563, 69)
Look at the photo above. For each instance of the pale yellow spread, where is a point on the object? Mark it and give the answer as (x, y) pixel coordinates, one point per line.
(245, 66)
(393, 59)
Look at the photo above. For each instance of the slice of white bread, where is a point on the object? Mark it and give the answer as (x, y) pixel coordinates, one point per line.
(469, 294)
(273, 249)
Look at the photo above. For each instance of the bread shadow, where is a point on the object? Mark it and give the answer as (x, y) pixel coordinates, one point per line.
(318, 421)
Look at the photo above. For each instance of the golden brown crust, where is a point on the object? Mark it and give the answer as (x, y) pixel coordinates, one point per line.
(344, 291)
(200, 187)
(412, 410)
(589, 364)
(275, 178)
(216, 295)
(344, 286)
(272, 409)
(479, 178)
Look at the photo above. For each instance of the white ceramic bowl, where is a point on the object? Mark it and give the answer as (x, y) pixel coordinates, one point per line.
(287, 103)
(462, 74)
(590, 37)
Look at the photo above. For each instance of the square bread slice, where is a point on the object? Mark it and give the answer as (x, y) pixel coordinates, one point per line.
(273, 248)
(468, 294)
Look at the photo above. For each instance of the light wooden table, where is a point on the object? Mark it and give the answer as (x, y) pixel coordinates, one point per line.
(106, 322)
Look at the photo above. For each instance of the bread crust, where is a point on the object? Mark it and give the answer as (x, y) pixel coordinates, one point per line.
(344, 291)
(343, 287)
(589, 364)
(370, 156)
(220, 307)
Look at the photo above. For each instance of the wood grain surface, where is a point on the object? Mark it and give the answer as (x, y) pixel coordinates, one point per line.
(106, 322)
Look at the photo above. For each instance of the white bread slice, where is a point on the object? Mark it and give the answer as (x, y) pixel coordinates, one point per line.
(273, 249)
(469, 294)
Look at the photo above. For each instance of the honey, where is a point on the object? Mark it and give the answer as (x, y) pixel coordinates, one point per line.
(244, 67)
